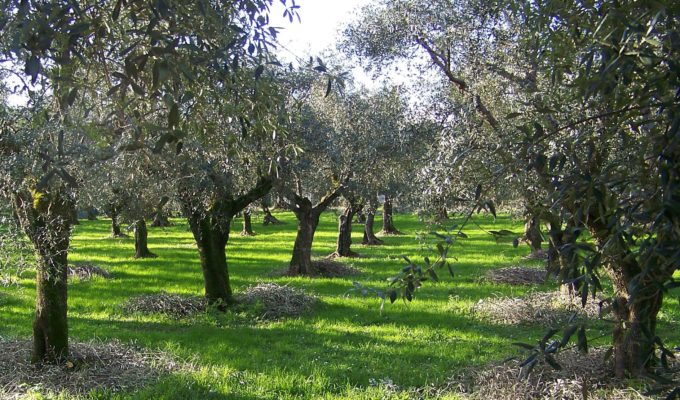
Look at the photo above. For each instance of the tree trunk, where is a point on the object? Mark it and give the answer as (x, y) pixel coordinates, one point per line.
(344, 243)
(160, 219)
(632, 347)
(442, 214)
(211, 238)
(141, 240)
(210, 228)
(388, 223)
(247, 224)
(115, 226)
(369, 237)
(308, 220)
(269, 218)
(361, 215)
(532, 233)
(47, 221)
(635, 321)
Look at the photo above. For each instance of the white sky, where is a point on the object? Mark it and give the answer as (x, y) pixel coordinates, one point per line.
(320, 28)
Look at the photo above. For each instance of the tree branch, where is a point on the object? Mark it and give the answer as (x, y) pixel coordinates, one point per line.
(263, 186)
(444, 64)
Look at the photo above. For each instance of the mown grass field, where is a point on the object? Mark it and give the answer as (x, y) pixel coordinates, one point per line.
(337, 352)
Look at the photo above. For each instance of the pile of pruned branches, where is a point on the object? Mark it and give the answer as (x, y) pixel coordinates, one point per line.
(544, 308)
(270, 301)
(327, 268)
(581, 376)
(86, 272)
(173, 305)
(517, 275)
(109, 366)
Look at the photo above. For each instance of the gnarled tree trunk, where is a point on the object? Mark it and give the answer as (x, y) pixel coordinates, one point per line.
(247, 223)
(308, 220)
(47, 220)
(141, 240)
(369, 237)
(269, 218)
(115, 226)
(160, 220)
(442, 214)
(212, 235)
(344, 242)
(532, 234)
(388, 222)
(632, 347)
(210, 228)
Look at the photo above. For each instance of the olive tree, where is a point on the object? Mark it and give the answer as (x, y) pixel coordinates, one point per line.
(134, 64)
(589, 109)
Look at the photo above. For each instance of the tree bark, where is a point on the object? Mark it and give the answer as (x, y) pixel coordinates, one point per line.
(211, 235)
(632, 347)
(361, 215)
(247, 223)
(115, 226)
(141, 240)
(160, 220)
(442, 214)
(308, 220)
(210, 228)
(344, 242)
(532, 233)
(269, 218)
(369, 237)
(47, 221)
(635, 321)
(388, 222)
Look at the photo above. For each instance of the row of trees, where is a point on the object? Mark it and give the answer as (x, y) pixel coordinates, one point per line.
(569, 109)
(131, 105)
(572, 107)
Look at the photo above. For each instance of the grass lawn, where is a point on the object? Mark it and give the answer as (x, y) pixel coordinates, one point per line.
(337, 352)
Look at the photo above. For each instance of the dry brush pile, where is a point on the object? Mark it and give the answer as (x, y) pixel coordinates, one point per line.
(173, 305)
(546, 308)
(269, 301)
(110, 367)
(517, 275)
(582, 376)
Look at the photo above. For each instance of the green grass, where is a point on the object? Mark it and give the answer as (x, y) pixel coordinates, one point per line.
(333, 353)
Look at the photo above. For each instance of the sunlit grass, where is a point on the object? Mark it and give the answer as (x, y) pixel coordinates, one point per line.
(334, 353)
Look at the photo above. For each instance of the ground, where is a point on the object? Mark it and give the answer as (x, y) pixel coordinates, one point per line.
(344, 349)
